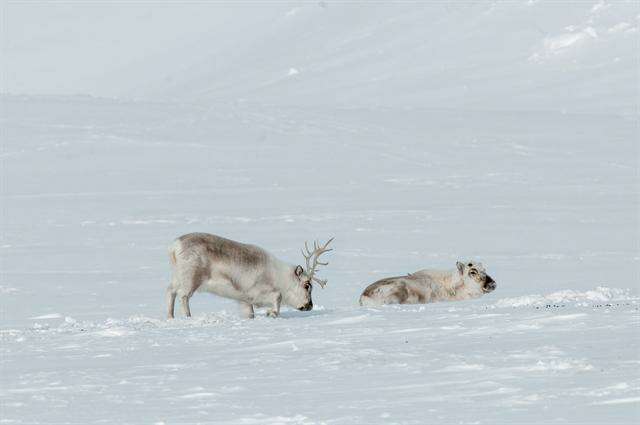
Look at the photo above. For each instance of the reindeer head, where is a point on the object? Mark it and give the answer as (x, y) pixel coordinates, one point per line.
(475, 277)
(307, 276)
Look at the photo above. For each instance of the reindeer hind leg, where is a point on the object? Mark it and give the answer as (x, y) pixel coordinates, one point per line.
(171, 300)
(185, 305)
(188, 279)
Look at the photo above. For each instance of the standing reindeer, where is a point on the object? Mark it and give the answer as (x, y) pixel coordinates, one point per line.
(247, 273)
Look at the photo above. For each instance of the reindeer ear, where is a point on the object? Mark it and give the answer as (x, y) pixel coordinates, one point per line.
(460, 267)
(298, 271)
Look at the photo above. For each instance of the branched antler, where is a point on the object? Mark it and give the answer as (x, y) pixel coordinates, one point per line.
(312, 260)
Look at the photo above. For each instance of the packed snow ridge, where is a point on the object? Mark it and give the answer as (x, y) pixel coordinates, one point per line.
(598, 295)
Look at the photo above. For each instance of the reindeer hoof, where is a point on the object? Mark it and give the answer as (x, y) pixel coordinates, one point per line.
(272, 314)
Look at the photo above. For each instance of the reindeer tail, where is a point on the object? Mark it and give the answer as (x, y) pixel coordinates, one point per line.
(173, 250)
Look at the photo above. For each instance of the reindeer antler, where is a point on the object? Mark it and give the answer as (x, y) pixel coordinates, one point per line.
(312, 260)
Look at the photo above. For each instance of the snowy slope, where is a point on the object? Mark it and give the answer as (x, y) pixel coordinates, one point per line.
(416, 134)
(524, 55)
(576, 56)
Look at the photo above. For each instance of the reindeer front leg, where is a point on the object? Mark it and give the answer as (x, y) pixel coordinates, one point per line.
(246, 310)
(274, 311)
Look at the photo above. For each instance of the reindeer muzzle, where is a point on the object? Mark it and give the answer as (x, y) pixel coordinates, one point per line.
(489, 285)
(307, 307)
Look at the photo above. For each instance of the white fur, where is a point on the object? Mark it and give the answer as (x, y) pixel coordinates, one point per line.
(427, 286)
(246, 273)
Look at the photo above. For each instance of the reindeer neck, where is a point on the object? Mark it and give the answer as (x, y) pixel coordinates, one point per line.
(281, 278)
(454, 284)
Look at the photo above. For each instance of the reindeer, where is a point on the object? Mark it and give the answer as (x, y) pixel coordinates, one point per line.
(465, 282)
(246, 273)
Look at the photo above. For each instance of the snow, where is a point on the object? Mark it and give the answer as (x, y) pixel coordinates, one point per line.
(335, 365)
(416, 134)
(47, 316)
(564, 41)
(597, 295)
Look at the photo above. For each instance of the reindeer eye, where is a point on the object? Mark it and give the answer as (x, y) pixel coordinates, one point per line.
(307, 285)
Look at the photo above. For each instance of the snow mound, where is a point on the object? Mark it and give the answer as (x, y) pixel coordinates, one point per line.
(5, 290)
(558, 44)
(559, 365)
(601, 294)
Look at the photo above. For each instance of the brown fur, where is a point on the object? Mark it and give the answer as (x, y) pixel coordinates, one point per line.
(217, 247)
(401, 293)
(416, 294)
(200, 275)
(231, 280)
(371, 289)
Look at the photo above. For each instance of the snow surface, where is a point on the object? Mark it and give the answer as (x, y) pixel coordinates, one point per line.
(417, 134)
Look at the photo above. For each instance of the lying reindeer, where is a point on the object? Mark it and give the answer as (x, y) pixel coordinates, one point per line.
(467, 281)
(247, 273)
